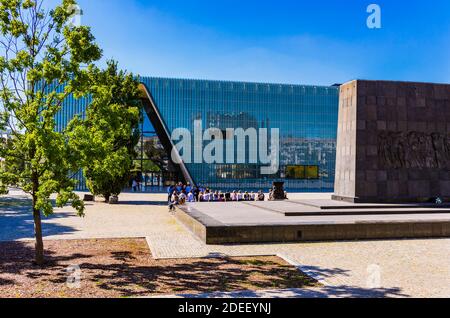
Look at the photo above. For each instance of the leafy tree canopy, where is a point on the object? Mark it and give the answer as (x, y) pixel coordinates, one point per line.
(106, 139)
(43, 60)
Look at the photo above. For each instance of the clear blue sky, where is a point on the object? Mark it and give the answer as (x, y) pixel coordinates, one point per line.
(289, 41)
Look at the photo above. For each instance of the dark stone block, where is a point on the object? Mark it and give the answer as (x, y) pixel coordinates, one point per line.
(401, 132)
(382, 190)
(391, 102)
(88, 198)
(382, 176)
(381, 101)
(371, 100)
(393, 175)
(393, 188)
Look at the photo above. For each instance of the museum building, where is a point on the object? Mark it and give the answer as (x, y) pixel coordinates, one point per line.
(306, 118)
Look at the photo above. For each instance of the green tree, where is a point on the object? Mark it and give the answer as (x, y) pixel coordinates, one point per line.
(107, 138)
(157, 155)
(43, 60)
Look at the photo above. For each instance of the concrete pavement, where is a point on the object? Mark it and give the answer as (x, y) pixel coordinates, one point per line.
(389, 268)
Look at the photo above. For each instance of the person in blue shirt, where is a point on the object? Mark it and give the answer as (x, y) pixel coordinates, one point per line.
(188, 188)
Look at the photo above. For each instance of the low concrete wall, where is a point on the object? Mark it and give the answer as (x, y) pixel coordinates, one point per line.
(212, 232)
(332, 232)
(194, 225)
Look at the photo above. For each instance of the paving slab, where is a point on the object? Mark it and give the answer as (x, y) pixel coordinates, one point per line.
(328, 204)
(315, 208)
(271, 213)
(391, 268)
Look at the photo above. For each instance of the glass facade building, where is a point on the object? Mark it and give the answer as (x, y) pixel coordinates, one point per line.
(306, 117)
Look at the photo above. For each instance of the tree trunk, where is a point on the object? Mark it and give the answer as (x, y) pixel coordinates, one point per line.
(39, 245)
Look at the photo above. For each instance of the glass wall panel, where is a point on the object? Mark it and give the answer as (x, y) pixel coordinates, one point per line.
(305, 115)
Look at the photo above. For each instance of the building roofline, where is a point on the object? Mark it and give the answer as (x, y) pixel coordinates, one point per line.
(394, 81)
(235, 82)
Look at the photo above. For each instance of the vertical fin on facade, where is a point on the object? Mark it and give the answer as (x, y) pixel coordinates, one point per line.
(163, 133)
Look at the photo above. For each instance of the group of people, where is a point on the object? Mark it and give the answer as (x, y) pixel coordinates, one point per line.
(180, 194)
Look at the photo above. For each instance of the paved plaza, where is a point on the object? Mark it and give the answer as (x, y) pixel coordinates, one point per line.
(385, 268)
(290, 213)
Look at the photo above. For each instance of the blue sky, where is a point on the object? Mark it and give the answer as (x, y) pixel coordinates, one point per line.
(287, 41)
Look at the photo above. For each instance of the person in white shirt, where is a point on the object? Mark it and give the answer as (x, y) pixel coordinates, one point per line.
(252, 196)
(182, 199)
(240, 197)
(190, 197)
(173, 202)
(206, 197)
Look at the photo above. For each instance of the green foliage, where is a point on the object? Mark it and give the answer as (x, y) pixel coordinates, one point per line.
(106, 139)
(43, 59)
(157, 155)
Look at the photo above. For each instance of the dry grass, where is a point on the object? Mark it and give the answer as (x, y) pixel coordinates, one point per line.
(125, 268)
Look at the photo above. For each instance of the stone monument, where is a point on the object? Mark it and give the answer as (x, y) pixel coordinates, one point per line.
(278, 191)
(393, 142)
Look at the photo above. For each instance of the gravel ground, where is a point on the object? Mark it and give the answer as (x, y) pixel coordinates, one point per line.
(125, 268)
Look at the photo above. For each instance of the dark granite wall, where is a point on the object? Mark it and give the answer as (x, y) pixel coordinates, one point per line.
(393, 142)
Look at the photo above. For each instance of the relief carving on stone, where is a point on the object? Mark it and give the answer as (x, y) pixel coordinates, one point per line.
(418, 150)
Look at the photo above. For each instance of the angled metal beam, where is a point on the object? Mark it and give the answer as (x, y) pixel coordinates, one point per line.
(163, 133)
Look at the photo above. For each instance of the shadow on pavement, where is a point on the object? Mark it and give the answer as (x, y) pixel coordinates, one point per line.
(16, 220)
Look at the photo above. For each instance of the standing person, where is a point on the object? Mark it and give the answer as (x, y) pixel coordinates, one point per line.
(191, 197)
(196, 194)
(134, 185)
(170, 191)
(188, 187)
(143, 183)
(173, 201)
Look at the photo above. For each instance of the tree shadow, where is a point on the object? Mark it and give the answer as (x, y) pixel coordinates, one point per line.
(320, 272)
(134, 273)
(199, 277)
(4, 282)
(324, 292)
(16, 258)
(16, 220)
(340, 291)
